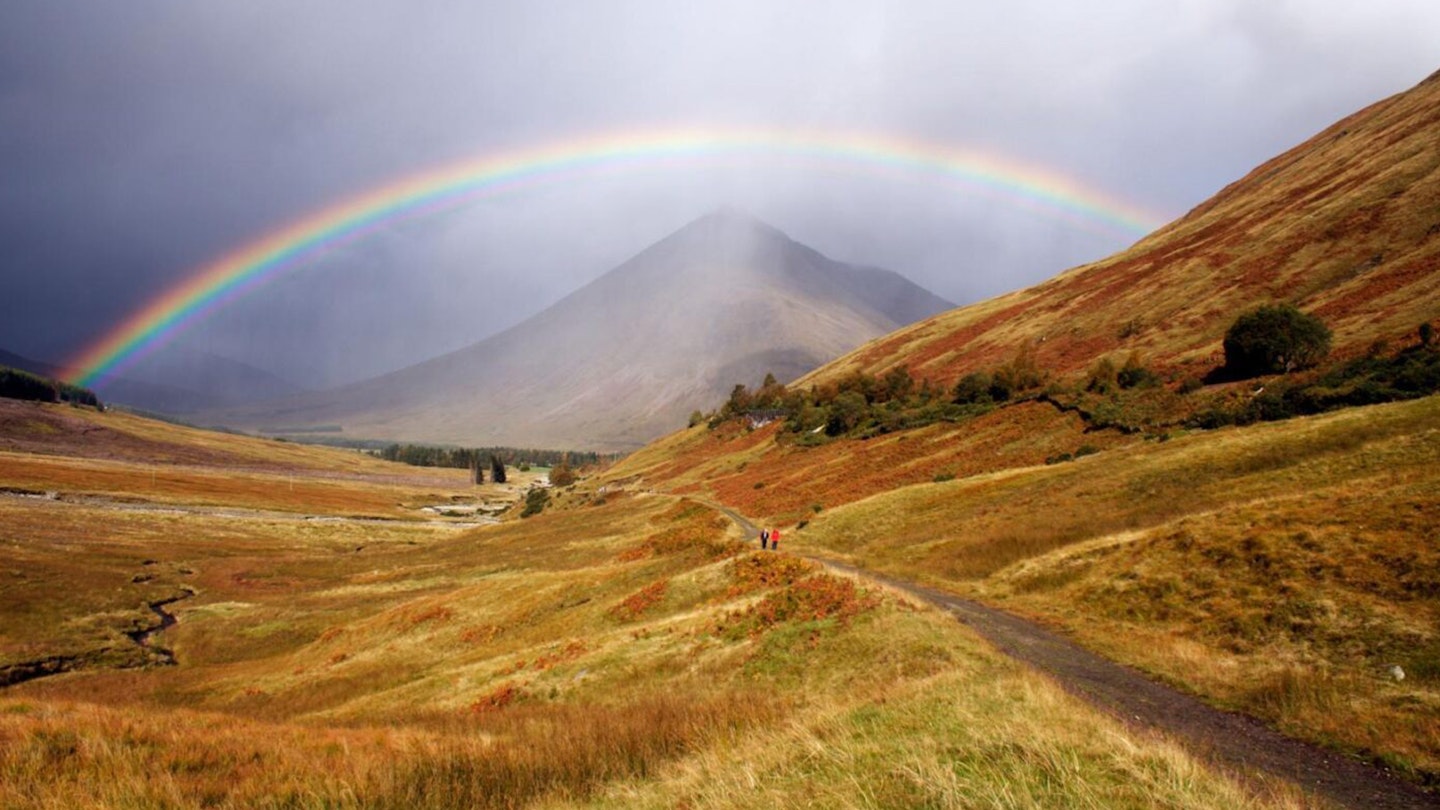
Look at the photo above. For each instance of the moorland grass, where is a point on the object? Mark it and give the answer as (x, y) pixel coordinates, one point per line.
(1281, 568)
(601, 646)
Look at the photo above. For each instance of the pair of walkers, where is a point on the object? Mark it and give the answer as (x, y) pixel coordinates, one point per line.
(770, 538)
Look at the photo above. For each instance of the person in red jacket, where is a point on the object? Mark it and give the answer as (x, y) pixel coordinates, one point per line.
(774, 539)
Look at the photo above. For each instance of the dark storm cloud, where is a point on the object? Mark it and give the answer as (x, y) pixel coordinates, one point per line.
(140, 140)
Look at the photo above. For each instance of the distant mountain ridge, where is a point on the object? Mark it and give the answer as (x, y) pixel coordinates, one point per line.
(178, 381)
(626, 358)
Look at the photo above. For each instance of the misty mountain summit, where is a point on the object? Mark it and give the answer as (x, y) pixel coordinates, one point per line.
(624, 359)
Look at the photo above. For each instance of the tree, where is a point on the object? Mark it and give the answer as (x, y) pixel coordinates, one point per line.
(535, 502)
(497, 469)
(973, 389)
(477, 471)
(1273, 340)
(561, 475)
(897, 384)
(846, 412)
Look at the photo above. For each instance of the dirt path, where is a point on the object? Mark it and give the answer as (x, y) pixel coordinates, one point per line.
(1237, 743)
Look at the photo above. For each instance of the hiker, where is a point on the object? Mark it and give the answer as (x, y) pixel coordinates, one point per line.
(774, 539)
(764, 538)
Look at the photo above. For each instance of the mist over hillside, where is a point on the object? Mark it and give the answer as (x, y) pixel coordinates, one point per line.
(626, 358)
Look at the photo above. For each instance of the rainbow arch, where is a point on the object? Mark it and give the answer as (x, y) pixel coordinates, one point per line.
(234, 274)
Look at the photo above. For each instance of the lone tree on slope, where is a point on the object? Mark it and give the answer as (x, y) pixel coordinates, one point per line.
(1273, 340)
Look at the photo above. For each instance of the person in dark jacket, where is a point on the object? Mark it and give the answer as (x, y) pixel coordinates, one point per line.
(764, 539)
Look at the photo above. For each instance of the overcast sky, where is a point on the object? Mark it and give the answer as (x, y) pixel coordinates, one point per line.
(141, 140)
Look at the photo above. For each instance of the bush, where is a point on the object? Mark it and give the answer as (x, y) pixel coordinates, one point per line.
(1135, 375)
(535, 502)
(1273, 340)
(561, 475)
(973, 389)
(1016, 377)
(1103, 377)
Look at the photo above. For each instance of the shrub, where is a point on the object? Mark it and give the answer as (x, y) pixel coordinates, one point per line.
(1103, 377)
(973, 389)
(561, 475)
(1274, 339)
(846, 412)
(1019, 375)
(535, 502)
(1135, 375)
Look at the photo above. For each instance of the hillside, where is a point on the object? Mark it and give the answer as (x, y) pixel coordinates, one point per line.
(629, 356)
(1303, 228)
(1345, 225)
(1285, 568)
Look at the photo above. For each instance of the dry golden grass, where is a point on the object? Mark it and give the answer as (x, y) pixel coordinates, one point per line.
(748, 471)
(595, 648)
(51, 429)
(987, 736)
(1280, 568)
(221, 487)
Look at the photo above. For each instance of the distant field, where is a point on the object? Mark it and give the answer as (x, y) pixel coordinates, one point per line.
(60, 430)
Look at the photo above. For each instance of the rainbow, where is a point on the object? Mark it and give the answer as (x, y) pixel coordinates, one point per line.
(233, 275)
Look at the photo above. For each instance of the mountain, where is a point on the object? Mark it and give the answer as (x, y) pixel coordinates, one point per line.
(1345, 225)
(26, 364)
(726, 299)
(177, 381)
(180, 380)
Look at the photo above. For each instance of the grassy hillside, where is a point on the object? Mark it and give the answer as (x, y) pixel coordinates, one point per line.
(53, 430)
(616, 650)
(1281, 568)
(1343, 225)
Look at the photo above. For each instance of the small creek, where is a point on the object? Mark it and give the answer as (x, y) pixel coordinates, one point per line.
(167, 620)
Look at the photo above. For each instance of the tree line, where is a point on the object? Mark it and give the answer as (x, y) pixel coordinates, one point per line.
(420, 455)
(1269, 340)
(17, 384)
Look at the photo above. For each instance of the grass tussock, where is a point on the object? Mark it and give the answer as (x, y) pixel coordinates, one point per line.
(570, 752)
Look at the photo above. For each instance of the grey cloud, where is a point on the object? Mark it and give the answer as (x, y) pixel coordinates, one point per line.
(141, 140)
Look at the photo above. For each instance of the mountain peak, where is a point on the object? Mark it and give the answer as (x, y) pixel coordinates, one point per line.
(729, 224)
(626, 358)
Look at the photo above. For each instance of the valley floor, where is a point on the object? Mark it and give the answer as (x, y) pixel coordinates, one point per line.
(617, 650)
